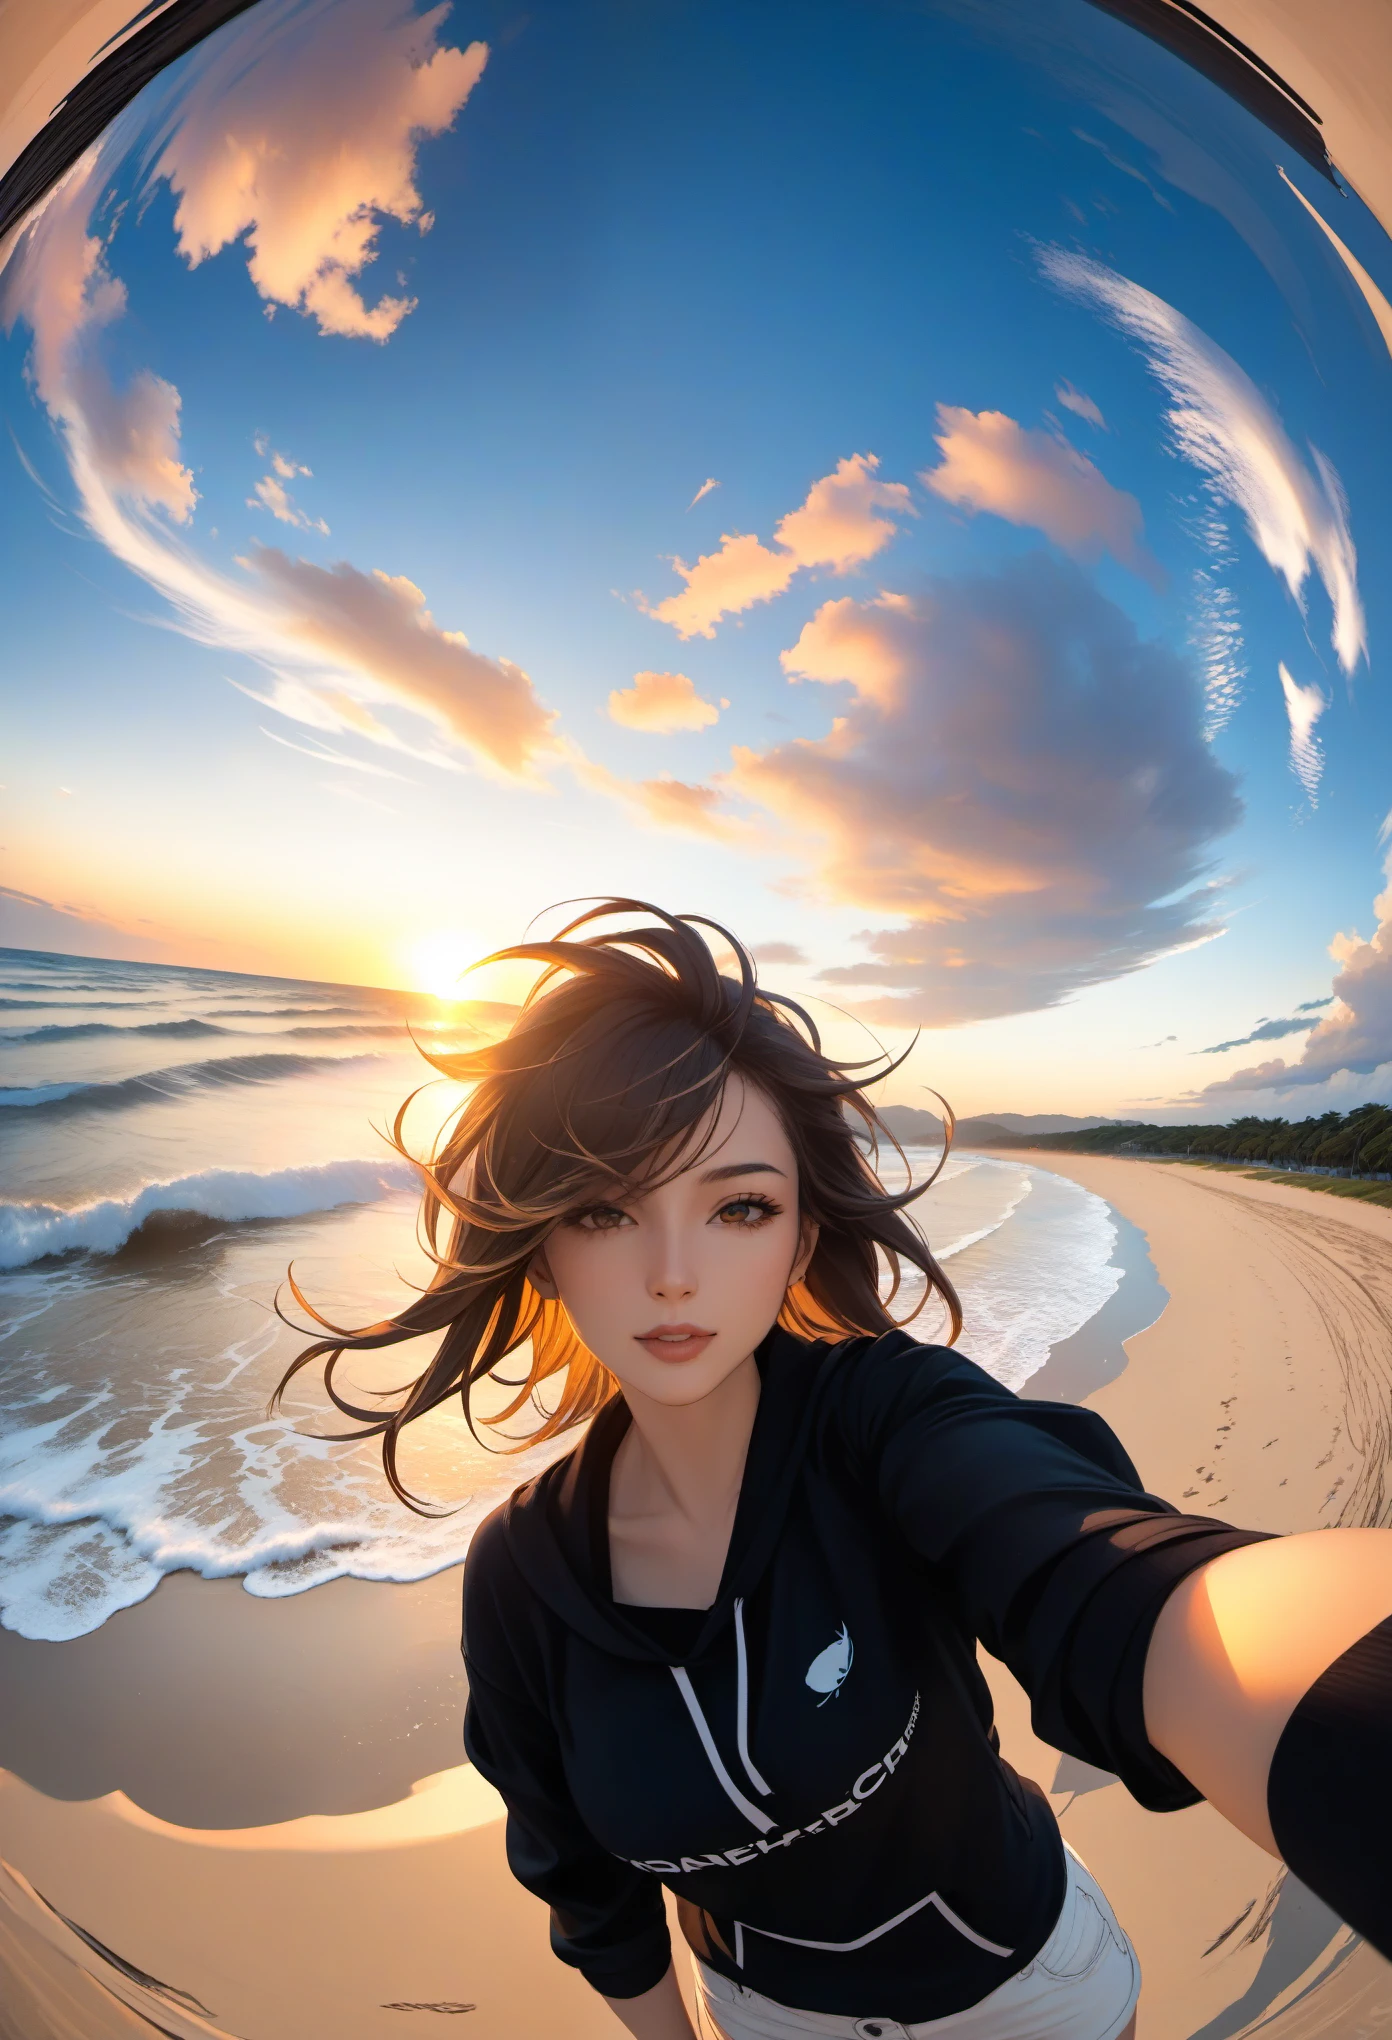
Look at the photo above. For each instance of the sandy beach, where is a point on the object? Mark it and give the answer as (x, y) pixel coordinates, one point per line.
(160, 1868)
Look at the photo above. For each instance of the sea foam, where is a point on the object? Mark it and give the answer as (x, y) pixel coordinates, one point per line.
(35, 1232)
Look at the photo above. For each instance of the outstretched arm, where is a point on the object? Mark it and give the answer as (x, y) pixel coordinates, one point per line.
(1240, 1642)
(659, 2014)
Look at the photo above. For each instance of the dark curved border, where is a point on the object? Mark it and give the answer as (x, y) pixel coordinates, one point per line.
(94, 103)
(1206, 45)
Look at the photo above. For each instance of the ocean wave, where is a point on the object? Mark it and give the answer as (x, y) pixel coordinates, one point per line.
(341, 1033)
(115, 1094)
(37, 1232)
(82, 1030)
(278, 1012)
(82, 1005)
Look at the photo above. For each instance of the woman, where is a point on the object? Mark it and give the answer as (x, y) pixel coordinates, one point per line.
(728, 1643)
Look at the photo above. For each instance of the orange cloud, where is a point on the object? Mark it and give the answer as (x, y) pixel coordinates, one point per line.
(677, 804)
(1017, 782)
(271, 494)
(840, 526)
(991, 463)
(376, 627)
(662, 703)
(304, 142)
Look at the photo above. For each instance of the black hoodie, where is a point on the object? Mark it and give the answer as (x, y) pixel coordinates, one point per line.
(810, 1764)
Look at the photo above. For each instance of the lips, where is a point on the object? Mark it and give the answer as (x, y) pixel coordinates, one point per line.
(675, 1342)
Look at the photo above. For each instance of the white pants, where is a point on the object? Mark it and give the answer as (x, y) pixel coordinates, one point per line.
(1082, 1985)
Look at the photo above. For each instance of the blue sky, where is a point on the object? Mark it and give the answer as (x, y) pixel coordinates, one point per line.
(769, 246)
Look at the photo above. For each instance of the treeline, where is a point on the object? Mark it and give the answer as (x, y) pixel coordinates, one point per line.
(1357, 1143)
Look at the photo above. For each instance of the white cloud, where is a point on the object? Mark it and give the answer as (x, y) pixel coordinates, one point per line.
(1216, 633)
(707, 485)
(662, 703)
(1222, 423)
(1017, 781)
(989, 462)
(300, 134)
(846, 519)
(1304, 707)
(1081, 405)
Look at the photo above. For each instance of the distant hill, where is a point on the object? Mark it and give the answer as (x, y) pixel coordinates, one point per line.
(1357, 1143)
(912, 1125)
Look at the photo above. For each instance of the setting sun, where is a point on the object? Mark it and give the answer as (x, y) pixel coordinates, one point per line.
(438, 961)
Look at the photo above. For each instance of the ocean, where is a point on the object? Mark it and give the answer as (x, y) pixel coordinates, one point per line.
(171, 1141)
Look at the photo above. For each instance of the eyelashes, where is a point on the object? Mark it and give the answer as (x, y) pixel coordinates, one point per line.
(747, 1213)
(599, 1218)
(757, 1210)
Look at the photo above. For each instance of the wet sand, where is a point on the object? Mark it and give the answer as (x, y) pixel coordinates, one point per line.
(206, 1821)
(212, 1709)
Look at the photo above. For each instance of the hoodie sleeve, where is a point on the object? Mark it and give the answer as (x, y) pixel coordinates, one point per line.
(607, 1919)
(1057, 1558)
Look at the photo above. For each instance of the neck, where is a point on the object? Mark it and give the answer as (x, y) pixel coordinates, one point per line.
(689, 1458)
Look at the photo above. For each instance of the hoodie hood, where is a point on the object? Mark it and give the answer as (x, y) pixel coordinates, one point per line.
(556, 1526)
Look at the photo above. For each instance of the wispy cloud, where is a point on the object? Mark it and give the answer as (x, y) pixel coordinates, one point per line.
(989, 462)
(300, 135)
(271, 494)
(322, 755)
(1304, 707)
(1080, 405)
(846, 519)
(1299, 1022)
(1223, 425)
(707, 485)
(663, 703)
(1216, 629)
(1018, 781)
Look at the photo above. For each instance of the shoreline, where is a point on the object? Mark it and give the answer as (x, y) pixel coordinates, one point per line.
(362, 1680)
(333, 1701)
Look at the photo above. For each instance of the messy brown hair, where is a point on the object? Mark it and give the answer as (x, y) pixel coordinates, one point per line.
(609, 1077)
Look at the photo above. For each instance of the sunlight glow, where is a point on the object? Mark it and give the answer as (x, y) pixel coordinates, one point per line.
(437, 963)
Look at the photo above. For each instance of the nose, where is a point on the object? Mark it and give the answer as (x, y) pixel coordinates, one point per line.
(671, 1273)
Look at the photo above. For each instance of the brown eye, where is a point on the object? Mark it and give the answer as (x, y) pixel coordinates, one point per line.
(746, 1214)
(600, 1218)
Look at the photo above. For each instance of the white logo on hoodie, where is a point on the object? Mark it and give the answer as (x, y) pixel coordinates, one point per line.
(827, 1672)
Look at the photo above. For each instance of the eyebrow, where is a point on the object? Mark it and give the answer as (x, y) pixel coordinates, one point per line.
(729, 1169)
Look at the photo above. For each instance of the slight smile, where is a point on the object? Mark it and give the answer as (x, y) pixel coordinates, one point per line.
(675, 1342)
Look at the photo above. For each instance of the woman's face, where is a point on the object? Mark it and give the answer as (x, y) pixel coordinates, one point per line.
(673, 1288)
